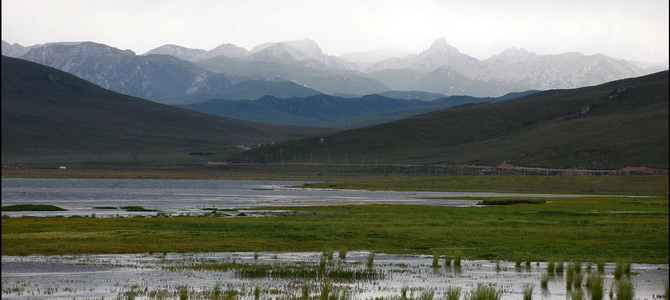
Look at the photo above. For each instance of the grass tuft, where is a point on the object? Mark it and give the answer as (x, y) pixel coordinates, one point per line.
(594, 284)
(625, 289)
(454, 293)
(544, 282)
(485, 292)
(528, 291)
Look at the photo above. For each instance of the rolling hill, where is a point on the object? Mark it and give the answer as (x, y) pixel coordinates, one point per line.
(612, 125)
(48, 112)
(333, 112)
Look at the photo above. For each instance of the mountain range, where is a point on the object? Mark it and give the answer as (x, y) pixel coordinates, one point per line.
(177, 75)
(51, 115)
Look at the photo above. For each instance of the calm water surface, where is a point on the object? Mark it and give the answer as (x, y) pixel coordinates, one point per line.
(84, 197)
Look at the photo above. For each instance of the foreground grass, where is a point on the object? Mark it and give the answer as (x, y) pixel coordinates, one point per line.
(629, 229)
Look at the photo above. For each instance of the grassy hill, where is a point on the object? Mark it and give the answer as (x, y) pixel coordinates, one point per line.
(331, 111)
(617, 124)
(48, 114)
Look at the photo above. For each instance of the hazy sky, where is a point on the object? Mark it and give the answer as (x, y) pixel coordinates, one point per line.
(634, 30)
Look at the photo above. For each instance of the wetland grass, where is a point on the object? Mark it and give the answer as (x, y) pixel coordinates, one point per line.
(342, 254)
(517, 265)
(447, 261)
(304, 291)
(527, 291)
(320, 271)
(427, 294)
(436, 262)
(513, 230)
(485, 292)
(257, 293)
(559, 267)
(544, 282)
(594, 285)
(453, 293)
(32, 207)
(569, 278)
(325, 291)
(588, 268)
(621, 269)
(551, 267)
(371, 260)
(625, 289)
(457, 261)
(577, 280)
(137, 209)
(577, 294)
(183, 293)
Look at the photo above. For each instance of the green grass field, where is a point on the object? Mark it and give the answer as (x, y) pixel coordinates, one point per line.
(631, 229)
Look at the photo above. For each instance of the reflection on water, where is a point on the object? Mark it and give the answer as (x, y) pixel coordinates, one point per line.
(110, 276)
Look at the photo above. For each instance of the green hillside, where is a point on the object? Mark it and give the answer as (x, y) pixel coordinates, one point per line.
(617, 124)
(47, 112)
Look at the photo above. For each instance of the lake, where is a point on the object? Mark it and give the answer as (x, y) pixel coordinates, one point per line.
(86, 197)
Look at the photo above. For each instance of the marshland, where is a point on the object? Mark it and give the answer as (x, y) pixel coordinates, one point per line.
(345, 238)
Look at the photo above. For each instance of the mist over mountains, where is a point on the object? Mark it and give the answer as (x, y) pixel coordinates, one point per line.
(174, 74)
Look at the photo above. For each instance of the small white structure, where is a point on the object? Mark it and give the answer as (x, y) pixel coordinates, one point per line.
(62, 168)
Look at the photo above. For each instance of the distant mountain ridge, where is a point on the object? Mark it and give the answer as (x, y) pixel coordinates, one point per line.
(439, 69)
(334, 112)
(154, 77)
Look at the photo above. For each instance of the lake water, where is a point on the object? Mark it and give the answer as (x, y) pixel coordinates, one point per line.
(85, 197)
(111, 276)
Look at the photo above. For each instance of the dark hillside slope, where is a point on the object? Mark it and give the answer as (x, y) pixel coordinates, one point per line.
(46, 111)
(613, 125)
